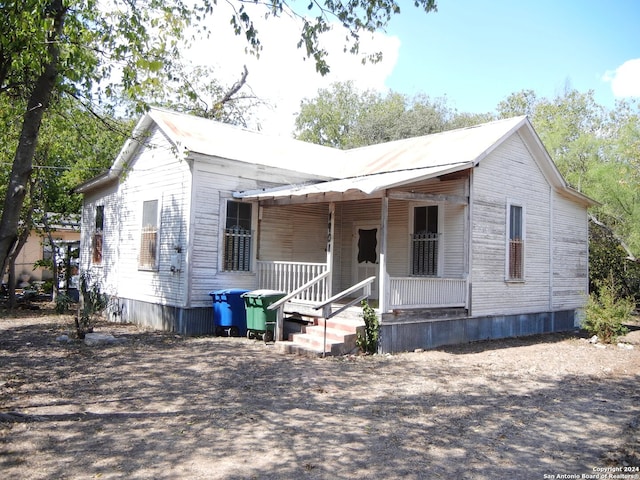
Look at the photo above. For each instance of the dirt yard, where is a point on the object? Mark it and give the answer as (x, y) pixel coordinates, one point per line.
(160, 406)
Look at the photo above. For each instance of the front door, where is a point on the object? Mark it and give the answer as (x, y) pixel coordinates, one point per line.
(366, 250)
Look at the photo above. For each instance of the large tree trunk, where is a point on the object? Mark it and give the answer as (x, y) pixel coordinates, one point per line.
(32, 119)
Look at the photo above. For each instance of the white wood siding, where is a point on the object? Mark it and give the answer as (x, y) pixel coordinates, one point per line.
(215, 180)
(452, 234)
(106, 272)
(155, 173)
(570, 255)
(296, 233)
(510, 173)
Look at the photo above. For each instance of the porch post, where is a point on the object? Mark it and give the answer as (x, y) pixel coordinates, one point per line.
(330, 245)
(382, 276)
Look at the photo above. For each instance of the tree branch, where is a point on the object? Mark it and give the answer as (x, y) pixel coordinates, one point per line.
(630, 255)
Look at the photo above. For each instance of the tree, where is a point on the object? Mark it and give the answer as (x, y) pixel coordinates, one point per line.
(72, 47)
(198, 93)
(341, 116)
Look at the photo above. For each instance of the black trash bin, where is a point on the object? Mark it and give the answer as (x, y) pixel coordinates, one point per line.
(229, 312)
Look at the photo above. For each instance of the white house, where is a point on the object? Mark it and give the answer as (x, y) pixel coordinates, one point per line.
(464, 235)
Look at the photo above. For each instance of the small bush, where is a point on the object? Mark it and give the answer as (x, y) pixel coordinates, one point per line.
(369, 342)
(606, 313)
(63, 302)
(92, 301)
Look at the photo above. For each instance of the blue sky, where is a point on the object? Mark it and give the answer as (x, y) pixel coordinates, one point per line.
(477, 53)
(474, 53)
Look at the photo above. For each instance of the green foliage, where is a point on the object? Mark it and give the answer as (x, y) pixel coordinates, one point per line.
(344, 117)
(93, 303)
(607, 312)
(607, 258)
(369, 342)
(63, 302)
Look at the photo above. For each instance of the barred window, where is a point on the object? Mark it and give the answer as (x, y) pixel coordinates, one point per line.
(425, 241)
(237, 237)
(149, 236)
(96, 240)
(516, 244)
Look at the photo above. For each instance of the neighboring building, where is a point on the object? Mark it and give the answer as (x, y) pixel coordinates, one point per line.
(466, 235)
(66, 238)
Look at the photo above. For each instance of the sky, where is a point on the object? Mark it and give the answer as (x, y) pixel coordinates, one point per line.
(473, 53)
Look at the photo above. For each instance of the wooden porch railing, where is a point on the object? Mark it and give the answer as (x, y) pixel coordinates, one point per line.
(427, 292)
(290, 276)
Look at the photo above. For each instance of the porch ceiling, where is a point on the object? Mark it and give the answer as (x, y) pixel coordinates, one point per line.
(365, 184)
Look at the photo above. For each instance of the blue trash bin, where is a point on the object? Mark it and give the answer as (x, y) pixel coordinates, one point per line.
(229, 312)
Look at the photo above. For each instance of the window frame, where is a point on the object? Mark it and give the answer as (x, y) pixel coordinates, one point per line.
(222, 258)
(147, 267)
(511, 204)
(97, 236)
(440, 244)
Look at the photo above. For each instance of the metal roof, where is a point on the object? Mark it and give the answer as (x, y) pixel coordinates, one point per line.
(378, 167)
(193, 134)
(367, 184)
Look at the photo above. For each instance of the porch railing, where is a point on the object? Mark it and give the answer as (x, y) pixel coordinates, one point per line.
(290, 276)
(427, 292)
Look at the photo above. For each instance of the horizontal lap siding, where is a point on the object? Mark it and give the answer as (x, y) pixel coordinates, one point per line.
(296, 233)
(399, 248)
(509, 173)
(156, 173)
(398, 235)
(570, 255)
(213, 187)
(106, 272)
(215, 180)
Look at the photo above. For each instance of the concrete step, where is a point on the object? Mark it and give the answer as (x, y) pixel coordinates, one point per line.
(341, 336)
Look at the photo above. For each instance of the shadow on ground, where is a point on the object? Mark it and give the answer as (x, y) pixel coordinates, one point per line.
(160, 406)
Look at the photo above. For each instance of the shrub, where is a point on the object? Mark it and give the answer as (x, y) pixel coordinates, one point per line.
(369, 342)
(63, 302)
(606, 312)
(92, 302)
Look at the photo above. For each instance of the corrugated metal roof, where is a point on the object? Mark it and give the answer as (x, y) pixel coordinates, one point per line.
(366, 183)
(377, 167)
(200, 135)
(454, 146)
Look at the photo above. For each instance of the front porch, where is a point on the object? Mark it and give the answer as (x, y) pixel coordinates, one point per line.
(403, 292)
(413, 242)
(325, 324)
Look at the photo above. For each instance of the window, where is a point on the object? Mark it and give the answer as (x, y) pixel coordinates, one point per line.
(425, 241)
(516, 244)
(96, 240)
(237, 237)
(47, 250)
(149, 236)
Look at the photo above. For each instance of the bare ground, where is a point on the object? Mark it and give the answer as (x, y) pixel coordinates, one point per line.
(160, 406)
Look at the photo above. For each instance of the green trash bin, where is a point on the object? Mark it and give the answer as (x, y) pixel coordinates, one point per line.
(261, 322)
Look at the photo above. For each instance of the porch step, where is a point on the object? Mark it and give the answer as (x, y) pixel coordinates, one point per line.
(341, 336)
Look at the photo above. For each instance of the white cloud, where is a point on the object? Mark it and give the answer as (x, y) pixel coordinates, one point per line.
(282, 76)
(625, 80)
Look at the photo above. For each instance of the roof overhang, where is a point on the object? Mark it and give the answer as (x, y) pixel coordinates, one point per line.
(365, 185)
